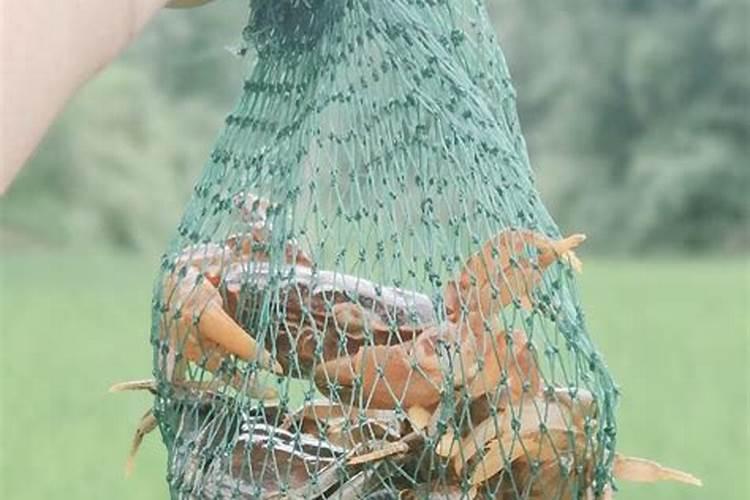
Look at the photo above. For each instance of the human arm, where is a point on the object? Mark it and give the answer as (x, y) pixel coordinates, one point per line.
(49, 49)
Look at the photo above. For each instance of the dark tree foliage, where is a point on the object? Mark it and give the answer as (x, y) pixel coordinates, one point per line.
(635, 112)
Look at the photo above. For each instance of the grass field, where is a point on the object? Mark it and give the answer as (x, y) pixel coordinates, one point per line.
(674, 333)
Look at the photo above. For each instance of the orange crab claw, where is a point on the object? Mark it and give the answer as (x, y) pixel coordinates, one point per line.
(410, 374)
(214, 327)
(385, 375)
(413, 374)
(501, 272)
(550, 250)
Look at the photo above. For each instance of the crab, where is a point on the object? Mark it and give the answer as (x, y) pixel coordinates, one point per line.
(212, 297)
(196, 323)
(375, 350)
(384, 346)
(470, 349)
(539, 449)
(230, 450)
(535, 449)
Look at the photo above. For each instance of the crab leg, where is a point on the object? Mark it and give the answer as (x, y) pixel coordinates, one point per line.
(399, 382)
(146, 425)
(135, 385)
(148, 421)
(519, 366)
(388, 450)
(410, 374)
(385, 378)
(413, 374)
(647, 471)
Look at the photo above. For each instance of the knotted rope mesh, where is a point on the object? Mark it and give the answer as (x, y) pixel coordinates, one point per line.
(366, 297)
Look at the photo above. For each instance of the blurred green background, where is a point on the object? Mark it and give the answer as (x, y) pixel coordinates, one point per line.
(636, 117)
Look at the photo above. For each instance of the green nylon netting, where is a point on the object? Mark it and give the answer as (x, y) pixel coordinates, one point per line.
(369, 217)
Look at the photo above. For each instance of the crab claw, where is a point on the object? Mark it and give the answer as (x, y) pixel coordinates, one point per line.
(217, 326)
(501, 271)
(409, 374)
(380, 375)
(550, 251)
(195, 297)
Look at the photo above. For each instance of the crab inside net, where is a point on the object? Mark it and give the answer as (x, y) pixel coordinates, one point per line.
(366, 297)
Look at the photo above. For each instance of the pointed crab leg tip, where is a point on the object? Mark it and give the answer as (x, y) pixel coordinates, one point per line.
(419, 417)
(277, 368)
(682, 477)
(574, 261)
(575, 239)
(134, 385)
(647, 471)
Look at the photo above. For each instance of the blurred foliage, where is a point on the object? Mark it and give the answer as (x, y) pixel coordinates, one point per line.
(636, 116)
(635, 113)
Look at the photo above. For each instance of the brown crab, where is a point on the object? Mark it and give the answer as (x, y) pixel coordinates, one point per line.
(341, 328)
(539, 449)
(196, 323)
(470, 347)
(214, 293)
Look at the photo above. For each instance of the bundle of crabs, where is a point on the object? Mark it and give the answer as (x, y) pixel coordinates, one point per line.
(413, 400)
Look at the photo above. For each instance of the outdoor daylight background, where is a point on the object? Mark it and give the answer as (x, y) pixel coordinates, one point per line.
(636, 114)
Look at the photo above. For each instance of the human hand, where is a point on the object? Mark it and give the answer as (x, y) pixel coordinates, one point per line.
(45, 58)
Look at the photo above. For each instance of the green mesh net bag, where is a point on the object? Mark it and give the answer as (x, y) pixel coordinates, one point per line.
(366, 297)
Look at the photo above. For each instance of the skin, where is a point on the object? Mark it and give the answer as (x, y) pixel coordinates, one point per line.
(48, 50)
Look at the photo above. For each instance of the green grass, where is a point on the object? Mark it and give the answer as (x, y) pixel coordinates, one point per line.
(674, 333)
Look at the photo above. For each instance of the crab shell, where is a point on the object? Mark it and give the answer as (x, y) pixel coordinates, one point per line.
(321, 328)
(321, 315)
(470, 348)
